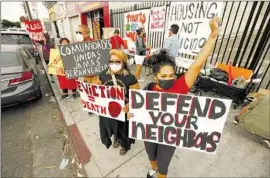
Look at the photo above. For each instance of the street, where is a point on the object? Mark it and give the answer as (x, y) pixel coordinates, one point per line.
(34, 137)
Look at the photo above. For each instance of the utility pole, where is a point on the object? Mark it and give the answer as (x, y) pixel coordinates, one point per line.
(28, 10)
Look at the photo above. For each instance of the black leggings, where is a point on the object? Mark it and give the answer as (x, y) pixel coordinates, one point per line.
(162, 154)
(66, 90)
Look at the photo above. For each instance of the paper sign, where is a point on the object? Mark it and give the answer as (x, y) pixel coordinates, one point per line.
(86, 58)
(133, 20)
(35, 30)
(106, 101)
(55, 66)
(157, 18)
(190, 122)
(193, 20)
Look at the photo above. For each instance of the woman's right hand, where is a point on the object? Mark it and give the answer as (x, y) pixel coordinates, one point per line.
(129, 115)
(215, 25)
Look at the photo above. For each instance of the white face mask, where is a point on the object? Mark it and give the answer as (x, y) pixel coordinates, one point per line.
(115, 67)
(79, 37)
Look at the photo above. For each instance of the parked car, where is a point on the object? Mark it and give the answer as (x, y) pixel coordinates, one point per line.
(19, 76)
(18, 36)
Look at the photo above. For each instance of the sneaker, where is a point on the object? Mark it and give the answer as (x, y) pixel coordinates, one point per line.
(74, 95)
(63, 97)
(123, 152)
(266, 143)
(152, 173)
(116, 144)
(235, 120)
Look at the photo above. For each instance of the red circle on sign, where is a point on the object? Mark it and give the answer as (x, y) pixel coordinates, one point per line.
(114, 109)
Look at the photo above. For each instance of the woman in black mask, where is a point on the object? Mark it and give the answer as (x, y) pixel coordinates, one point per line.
(164, 69)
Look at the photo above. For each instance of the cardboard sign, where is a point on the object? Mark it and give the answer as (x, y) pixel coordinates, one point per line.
(157, 19)
(55, 65)
(106, 101)
(190, 122)
(35, 30)
(193, 20)
(86, 58)
(133, 20)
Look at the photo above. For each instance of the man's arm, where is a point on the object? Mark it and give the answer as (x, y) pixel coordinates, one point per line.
(194, 70)
(166, 44)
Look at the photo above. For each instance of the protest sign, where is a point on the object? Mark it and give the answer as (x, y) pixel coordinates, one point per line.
(55, 65)
(157, 19)
(35, 30)
(106, 101)
(190, 122)
(86, 58)
(193, 20)
(133, 20)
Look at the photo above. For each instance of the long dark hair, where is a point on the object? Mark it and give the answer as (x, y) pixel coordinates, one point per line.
(161, 59)
(63, 39)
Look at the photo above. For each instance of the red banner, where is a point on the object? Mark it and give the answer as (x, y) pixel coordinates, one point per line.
(35, 30)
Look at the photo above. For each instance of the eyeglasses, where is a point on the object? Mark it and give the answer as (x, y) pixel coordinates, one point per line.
(78, 32)
(115, 62)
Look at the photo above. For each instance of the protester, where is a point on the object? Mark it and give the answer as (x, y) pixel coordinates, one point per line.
(47, 44)
(163, 67)
(64, 83)
(117, 74)
(172, 44)
(141, 49)
(83, 35)
(116, 41)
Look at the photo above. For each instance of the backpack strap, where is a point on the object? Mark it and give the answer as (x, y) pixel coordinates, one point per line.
(149, 86)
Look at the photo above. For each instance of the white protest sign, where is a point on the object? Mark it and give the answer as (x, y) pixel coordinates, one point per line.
(193, 20)
(133, 20)
(190, 122)
(106, 101)
(157, 18)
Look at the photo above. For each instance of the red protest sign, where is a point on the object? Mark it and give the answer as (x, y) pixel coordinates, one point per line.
(35, 30)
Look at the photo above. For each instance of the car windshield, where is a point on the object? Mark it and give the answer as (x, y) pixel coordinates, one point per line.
(9, 59)
(15, 39)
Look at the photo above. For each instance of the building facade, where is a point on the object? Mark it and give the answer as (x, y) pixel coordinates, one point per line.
(67, 16)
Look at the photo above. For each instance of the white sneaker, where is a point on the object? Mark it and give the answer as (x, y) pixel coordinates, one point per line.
(152, 173)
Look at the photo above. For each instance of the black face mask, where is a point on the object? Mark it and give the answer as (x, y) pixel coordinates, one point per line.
(166, 84)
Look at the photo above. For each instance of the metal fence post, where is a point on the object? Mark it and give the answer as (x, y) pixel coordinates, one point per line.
(244, 33)
(111, 18)
(260, 48)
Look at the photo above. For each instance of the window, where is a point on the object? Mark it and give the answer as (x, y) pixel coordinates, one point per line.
(15, 39)
(9, 59)
(25, 54)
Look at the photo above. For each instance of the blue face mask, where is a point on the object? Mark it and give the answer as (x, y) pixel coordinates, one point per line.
(165, 84)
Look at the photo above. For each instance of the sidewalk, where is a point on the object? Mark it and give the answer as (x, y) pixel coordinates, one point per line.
(239, 154)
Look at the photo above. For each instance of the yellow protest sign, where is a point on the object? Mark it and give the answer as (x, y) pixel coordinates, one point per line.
(55, 65)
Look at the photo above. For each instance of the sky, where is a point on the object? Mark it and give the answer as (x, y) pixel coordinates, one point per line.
(17, 11)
